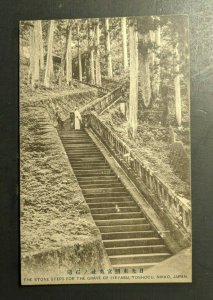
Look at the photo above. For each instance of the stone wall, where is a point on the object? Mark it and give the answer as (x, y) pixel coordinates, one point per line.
(57, 230)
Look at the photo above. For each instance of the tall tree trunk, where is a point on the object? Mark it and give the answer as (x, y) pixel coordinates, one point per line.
(177, 87)
(34, 69)
(92, 67)
(145, 83)
(32, 56)
(64, 56)
(91, 47)
(37, 51)
(157, 58)
(124, 39)
(79, 55)
(108, 49)
(151, 51)
(69, 56)
(133, 91)
(49, 61)
(97, 61)
(62, 65)
(41, 45)
(165, 103)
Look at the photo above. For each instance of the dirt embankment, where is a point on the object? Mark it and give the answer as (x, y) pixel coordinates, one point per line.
(152, 142)
(57, 230)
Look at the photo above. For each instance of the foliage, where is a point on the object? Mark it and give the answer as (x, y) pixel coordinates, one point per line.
(159, 59)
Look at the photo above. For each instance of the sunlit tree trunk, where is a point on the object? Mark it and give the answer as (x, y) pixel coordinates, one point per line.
(37, 51)
(151, 51)
(41, 45)
(124, 39)
(91, 46)
(49, 61)
(133, 93)
(35, 54)
(108, 49)
(157, 58)
(97, 61)
(69, 56)
(145, 74)
(66, 57)
(177, 87)
(92, 67)
(62, 64)
(31, 52)
(79, 54)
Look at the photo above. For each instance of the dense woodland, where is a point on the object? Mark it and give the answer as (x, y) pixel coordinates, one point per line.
(90, 49)
(66, 64)
(149, 54)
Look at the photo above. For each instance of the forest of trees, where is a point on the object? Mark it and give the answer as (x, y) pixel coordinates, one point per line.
(151, 53)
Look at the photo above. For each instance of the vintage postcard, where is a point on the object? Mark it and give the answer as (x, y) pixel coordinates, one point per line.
(105, 159)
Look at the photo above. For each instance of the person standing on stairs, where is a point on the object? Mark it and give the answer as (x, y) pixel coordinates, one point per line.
(59, 119)
(78, 119)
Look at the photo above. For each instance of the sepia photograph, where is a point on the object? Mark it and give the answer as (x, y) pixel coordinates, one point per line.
(105, 150)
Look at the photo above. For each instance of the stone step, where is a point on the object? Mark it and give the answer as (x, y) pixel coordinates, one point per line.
(85, 159)
(82, 148)
(129, 238)
(136, 250)
(138, 258)
(99, 185)
(96, 178)
(71, 132)
(93, 160)
(107, 194)
(128, 234)
(82, 138)
(78, 142)
(111, 204)
(105, 199)
(66, 132)
(90, 163)
(82, 152)
(69, 135)
(94, 175)
(84, 155)
(132, 242)
(75, 142)
(91, 167)
(95, 172)
(98, 182)
(98, 190)
(83, 145)
(114, 210)
(117, 216)
(128, 222)
(125, 228)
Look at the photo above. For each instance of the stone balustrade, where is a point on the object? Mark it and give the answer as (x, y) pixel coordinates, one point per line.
(103, 90)
(177, 208)
(99, 104)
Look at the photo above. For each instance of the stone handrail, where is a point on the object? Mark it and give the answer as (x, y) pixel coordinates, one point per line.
(177, 208)
(102, 103)
(100, 88)
(112, 80)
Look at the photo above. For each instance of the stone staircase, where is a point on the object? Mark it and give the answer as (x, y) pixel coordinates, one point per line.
(130, 240)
